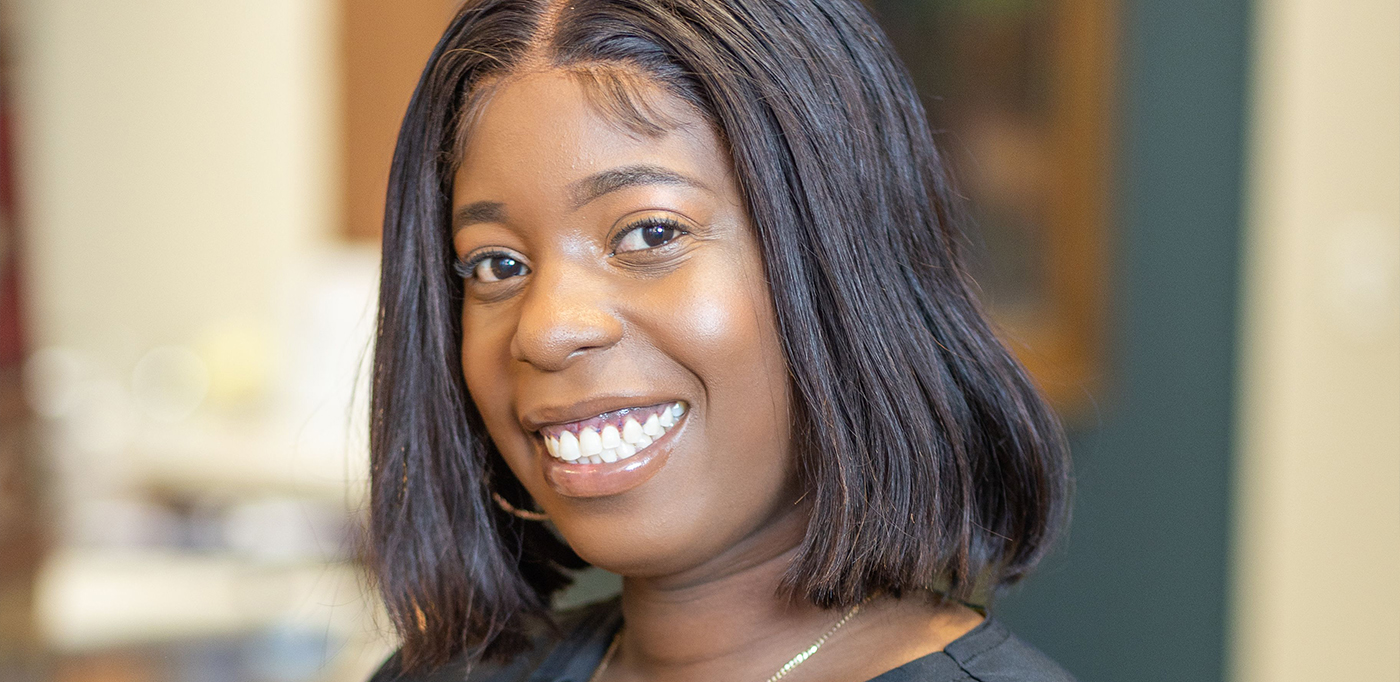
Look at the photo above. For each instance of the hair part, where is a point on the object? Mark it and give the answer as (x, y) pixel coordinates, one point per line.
(618, 91)
(929, 457)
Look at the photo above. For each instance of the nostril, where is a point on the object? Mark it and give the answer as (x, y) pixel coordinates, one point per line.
(556, 340)
(567, 313)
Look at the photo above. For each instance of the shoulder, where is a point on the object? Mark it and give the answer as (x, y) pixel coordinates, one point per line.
(987, 653)
(990, 653)
(570, 643)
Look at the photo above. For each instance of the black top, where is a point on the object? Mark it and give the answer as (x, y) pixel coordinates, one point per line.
(987, 653)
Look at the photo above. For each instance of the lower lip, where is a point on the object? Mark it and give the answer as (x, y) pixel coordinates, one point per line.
(572, 479)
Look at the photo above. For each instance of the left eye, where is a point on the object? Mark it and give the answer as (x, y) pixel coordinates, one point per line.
(497, 268)
(648, 235)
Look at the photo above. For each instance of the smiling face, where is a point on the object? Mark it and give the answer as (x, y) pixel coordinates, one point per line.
(618, 336)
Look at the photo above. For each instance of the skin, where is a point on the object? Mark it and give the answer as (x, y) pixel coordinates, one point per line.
(581, 322)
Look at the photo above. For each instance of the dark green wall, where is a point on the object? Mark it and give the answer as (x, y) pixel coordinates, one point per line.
(1138, 589)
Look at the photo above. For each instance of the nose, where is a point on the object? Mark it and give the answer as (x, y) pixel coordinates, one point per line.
(566, 316)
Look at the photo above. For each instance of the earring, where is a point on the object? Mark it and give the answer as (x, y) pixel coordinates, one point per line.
(519, 513)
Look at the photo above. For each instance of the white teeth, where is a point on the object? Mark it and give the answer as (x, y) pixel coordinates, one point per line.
(611, 444)
(568, 446)
(610, 437)
(589, 443)
(632, 431)
(653, 427)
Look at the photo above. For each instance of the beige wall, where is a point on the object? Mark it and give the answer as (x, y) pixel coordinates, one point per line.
(176, 157)
(178, 161)
(178, 166)
(1318, 531)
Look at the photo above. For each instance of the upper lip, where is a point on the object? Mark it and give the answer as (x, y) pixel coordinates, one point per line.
(539, 417)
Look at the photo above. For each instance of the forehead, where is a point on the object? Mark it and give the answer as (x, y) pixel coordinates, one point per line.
(539, 132)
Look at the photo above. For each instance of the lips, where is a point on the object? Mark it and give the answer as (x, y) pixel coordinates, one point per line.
(610, 452)
(611, 436)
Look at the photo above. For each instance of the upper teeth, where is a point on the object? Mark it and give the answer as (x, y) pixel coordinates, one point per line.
(612, 444)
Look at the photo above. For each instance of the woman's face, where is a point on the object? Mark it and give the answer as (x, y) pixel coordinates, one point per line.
(618, 336)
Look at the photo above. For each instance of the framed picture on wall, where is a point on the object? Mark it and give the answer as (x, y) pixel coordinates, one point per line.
(1019, 96)
(383, 47)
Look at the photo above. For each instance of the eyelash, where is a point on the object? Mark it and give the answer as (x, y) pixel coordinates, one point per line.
(665, 221)
(465, 267)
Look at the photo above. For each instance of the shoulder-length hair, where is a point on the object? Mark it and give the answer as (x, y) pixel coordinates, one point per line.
(929, 458)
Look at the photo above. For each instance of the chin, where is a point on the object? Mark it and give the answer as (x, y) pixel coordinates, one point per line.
(657, 533)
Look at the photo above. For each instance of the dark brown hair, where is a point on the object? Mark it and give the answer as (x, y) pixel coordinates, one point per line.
(929, 457)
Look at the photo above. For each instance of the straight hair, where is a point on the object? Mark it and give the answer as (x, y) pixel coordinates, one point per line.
(930, 459)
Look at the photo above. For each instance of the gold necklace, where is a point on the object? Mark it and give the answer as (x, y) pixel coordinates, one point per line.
(797, 660)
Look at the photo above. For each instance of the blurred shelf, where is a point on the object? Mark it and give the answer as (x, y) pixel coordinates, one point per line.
(90, 599)
(234, 457)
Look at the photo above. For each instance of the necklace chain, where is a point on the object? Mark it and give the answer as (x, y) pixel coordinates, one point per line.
(807, 653)
(797, 660)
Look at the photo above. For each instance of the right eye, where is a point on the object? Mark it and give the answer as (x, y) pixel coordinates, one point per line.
(492, 267)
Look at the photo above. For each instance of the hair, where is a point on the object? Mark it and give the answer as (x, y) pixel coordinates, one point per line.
(929, 457)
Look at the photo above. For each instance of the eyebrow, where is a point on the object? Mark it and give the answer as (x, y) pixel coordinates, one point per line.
(581, 192)
(478, 212)
(608, 181)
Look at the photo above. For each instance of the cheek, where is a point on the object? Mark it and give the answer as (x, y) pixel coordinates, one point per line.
(727, 329)
(485, 363)
(733, 326)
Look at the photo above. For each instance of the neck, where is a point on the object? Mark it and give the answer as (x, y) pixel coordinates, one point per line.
(724, 619)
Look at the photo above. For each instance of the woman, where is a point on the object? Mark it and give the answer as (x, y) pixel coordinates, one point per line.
(672, 287)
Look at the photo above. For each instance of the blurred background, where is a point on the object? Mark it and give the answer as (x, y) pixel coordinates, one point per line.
(1187, 225)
